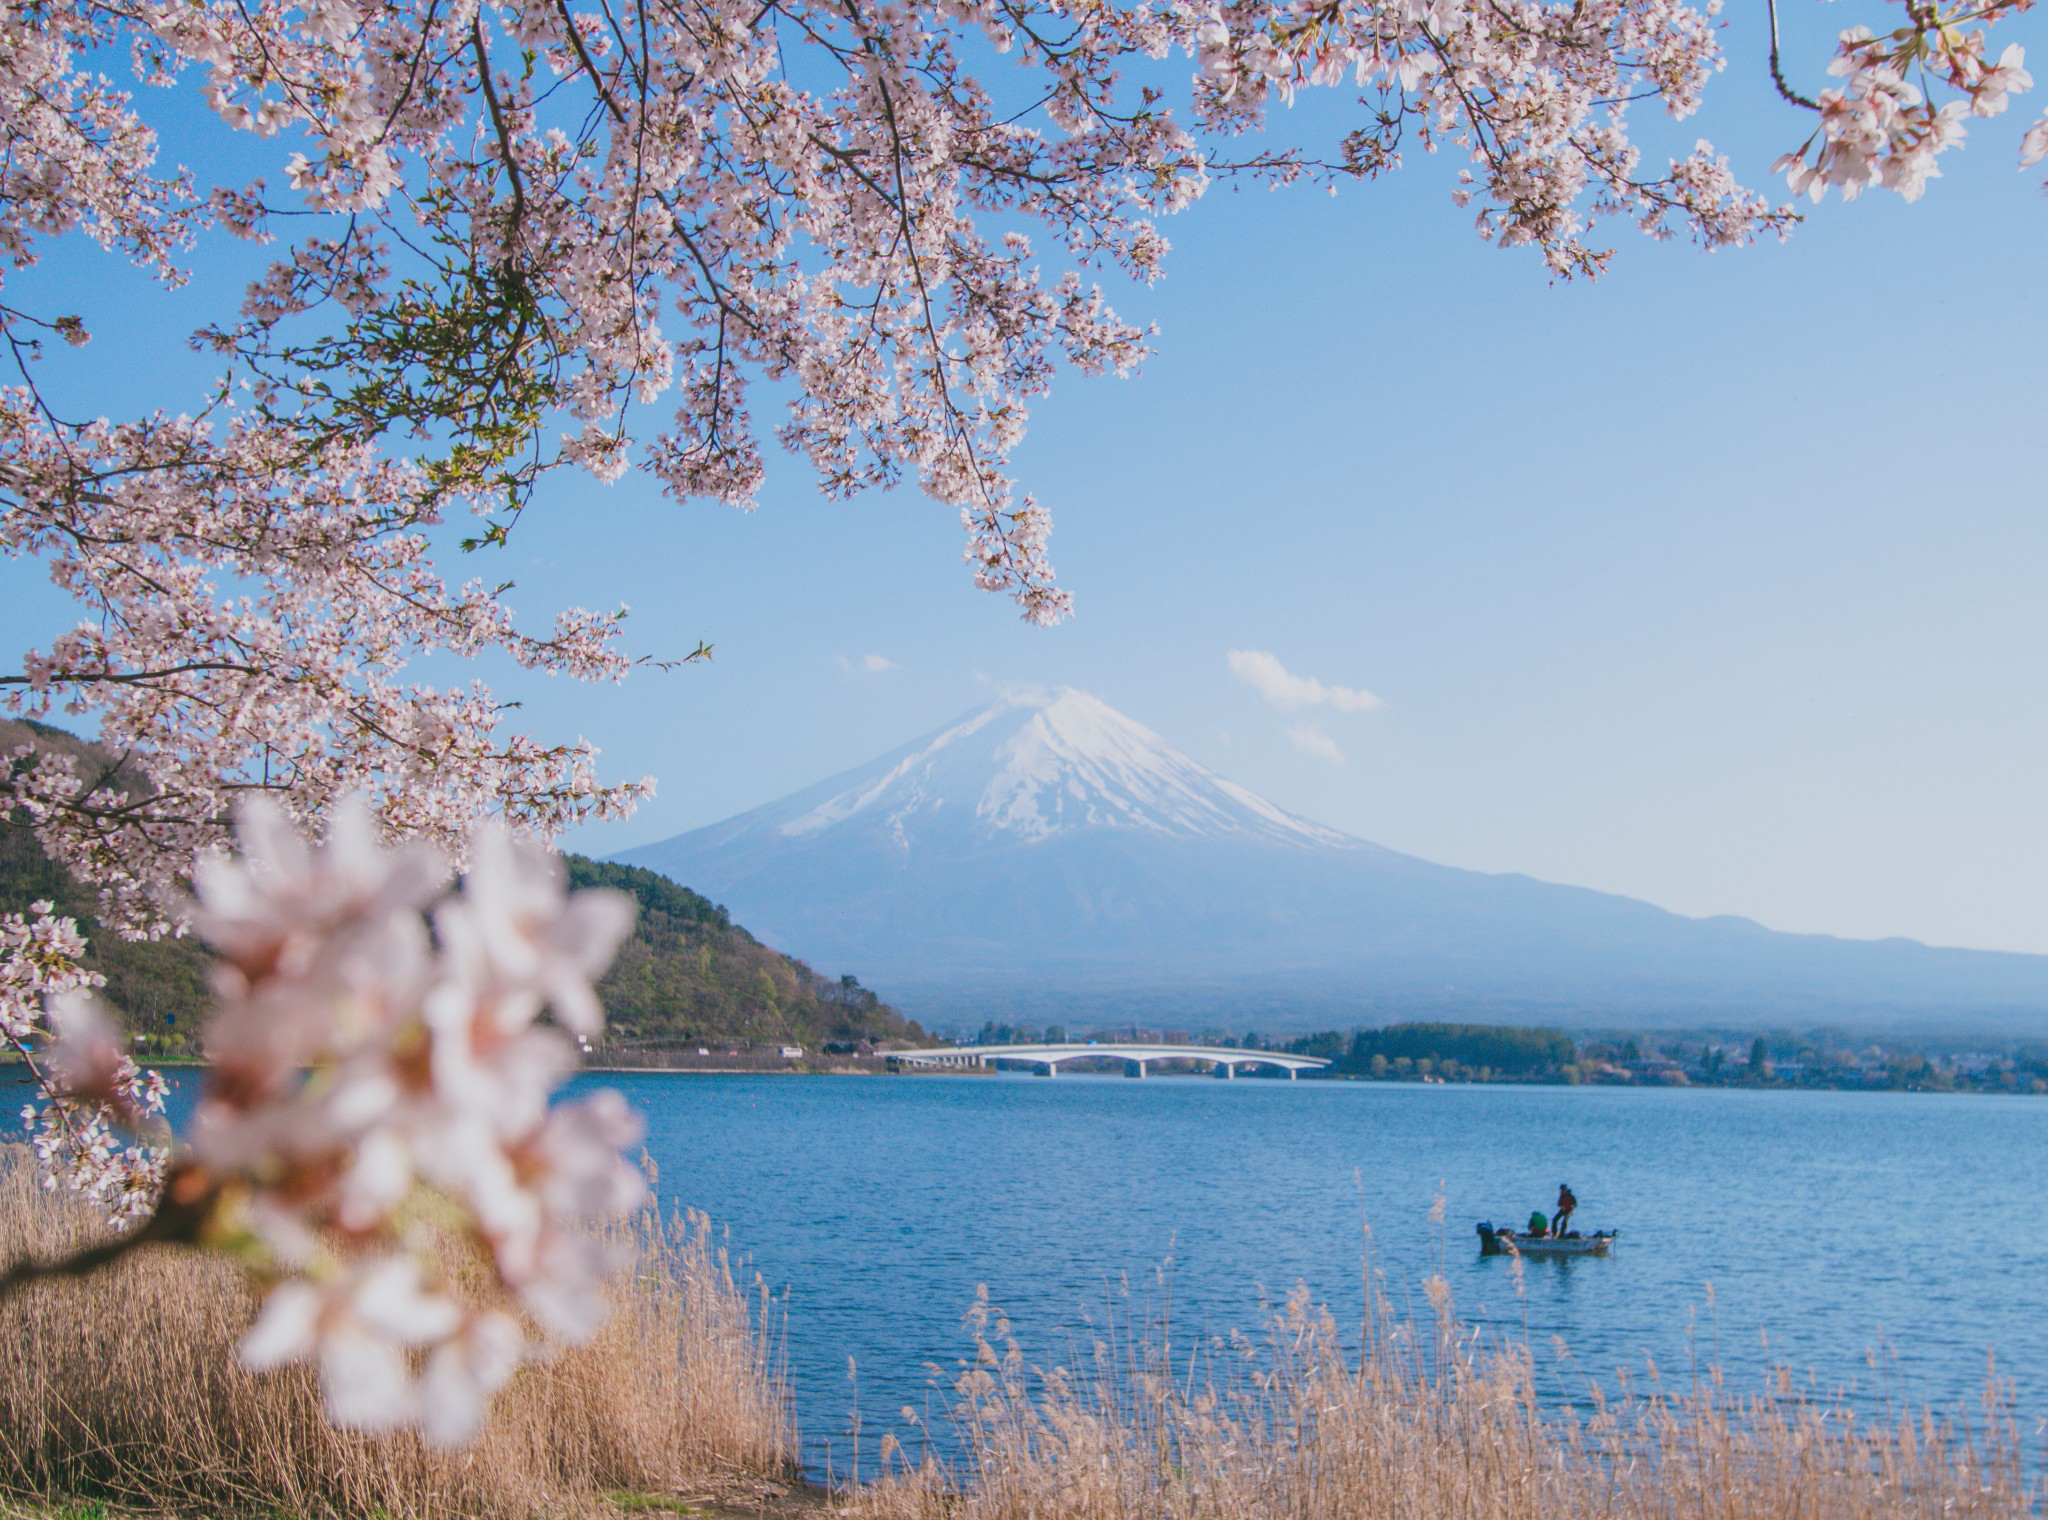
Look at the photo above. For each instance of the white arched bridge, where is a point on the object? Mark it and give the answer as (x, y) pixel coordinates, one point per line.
(1223, 1059)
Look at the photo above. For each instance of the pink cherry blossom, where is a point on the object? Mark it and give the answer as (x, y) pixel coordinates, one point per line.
(1884, 126)
(2034, 146)
(91, 1093)
(526, 945)
(462, 1373)
(360, 1326)
(377, 1101)
(39, 960)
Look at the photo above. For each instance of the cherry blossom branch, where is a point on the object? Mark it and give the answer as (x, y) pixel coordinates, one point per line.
(80, 1263)
(507, 154)
(177, 1219)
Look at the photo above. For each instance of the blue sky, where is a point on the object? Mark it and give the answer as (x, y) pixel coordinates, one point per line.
(1717, 583)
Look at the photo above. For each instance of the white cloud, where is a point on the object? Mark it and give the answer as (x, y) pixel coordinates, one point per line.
(1264, 673)
(868, 664)
(1311, 740)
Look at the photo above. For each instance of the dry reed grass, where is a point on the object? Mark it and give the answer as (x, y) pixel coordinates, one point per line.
(1422, 1424)
(124, 1386)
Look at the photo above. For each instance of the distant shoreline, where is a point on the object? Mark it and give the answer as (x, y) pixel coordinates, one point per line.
(187, 1063)
(1346, 1078)
(733, 1071)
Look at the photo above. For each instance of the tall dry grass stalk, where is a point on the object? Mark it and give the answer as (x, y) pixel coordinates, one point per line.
(1421, 1424)
(125, 1386)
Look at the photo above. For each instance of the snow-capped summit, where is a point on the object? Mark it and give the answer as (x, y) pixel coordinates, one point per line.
(1039, 763)
(1046, 857)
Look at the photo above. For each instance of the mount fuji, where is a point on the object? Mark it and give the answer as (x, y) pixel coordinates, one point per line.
(1047, 858)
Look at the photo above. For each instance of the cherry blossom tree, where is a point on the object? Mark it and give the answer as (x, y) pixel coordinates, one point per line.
(495, 242)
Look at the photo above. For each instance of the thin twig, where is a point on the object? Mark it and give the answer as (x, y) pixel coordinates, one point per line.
(1777, 73)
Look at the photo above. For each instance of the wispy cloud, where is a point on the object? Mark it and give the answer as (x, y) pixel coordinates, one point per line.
(1263, 672)
(867, 664)
(1311, 740)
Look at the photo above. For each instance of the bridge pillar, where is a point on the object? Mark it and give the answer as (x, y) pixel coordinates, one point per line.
(1230, 1071)
(1293, 1072)
(1136, 1069)
(1052, 1068)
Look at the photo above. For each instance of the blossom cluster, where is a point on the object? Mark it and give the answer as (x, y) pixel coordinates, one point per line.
(794, 191)
(91, 1095)
(254, 605)
(39, 961)
(1534, 96)
(1882, 129)
(378, 1117)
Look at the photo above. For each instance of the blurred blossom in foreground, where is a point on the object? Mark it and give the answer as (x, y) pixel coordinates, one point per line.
(376, 1119)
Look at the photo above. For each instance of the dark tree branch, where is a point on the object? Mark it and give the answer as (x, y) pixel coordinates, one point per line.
(1777, 73)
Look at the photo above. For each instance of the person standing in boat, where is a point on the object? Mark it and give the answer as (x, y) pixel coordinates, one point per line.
(1566, 1202)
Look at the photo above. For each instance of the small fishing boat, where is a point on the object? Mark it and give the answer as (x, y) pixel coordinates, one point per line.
(1494, 1242)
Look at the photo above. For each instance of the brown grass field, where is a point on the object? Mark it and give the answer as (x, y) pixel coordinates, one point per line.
(120, 1393)
(123, 1387)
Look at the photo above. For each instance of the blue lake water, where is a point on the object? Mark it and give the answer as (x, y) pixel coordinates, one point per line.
(1883, 1244)
(1831, 1226)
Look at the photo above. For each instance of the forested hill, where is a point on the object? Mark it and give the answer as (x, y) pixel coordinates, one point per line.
(688, 976)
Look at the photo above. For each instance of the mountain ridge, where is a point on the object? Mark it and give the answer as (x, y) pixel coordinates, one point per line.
(1044, 856)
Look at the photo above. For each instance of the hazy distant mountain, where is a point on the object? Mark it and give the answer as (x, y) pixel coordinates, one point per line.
(1047, 857)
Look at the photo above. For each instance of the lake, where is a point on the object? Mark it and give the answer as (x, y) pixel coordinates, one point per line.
(1878, 1243)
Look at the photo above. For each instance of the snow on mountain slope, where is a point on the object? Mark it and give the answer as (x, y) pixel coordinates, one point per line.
(1034, 765)
(1048, 857)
